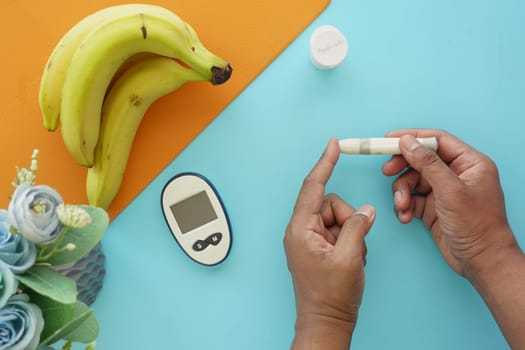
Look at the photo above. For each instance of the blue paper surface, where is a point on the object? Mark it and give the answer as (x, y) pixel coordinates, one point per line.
(454, 65)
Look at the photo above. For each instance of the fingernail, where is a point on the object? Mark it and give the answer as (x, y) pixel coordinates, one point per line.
(403, 216)
(366, 210)
(397, 196)
(413, 144)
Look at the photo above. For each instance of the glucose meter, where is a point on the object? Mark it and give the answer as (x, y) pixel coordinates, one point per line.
(196, 218)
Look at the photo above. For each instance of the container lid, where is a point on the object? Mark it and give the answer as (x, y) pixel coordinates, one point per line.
(328, 47)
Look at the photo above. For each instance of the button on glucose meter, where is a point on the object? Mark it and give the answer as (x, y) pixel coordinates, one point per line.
(196, 218)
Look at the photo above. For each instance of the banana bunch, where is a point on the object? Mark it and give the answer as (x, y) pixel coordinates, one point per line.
(104, 74)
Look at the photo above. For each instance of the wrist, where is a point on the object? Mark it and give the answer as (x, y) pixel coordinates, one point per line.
(315, 331)
(494, 260)
(500, 281)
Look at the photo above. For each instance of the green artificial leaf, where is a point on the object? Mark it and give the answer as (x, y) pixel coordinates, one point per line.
(56, 315)
(81, 314)
(45, 281)
(84, 239)
(88, 330)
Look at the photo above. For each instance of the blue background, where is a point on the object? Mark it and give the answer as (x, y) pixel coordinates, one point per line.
(454, 65)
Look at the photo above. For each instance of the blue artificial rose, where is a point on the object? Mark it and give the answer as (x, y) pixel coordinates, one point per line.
(8, 284)
(32, 212)
(21, 324)
(15, 250)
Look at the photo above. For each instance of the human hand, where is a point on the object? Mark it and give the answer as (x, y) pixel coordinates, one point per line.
(456, 192)
(326, 252)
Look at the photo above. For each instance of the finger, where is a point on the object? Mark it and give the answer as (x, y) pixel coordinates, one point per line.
(353, 232)
(335, 211)
(311, 195)
(331, 234)
(449, 146)
(394, 166)
(428, 164)
(364, 252)
(408, 184)
(416, 132)
(415, 209)
(405, 216)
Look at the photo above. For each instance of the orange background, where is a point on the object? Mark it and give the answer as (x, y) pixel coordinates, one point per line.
(249, 34)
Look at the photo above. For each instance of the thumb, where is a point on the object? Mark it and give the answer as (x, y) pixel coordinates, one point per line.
(427, 163)
(354, 230)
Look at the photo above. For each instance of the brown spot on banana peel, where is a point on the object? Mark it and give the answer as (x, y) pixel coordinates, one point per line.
(143, 27)
(220, 75)
(135, 100)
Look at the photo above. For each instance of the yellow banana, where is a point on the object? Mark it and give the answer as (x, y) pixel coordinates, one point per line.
(50, 93)
(124, 107)
(99, 56)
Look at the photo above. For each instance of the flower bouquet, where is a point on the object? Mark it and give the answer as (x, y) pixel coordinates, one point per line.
(38, 232)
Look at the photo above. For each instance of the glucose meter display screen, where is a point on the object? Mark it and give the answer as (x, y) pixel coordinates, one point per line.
(193, 212)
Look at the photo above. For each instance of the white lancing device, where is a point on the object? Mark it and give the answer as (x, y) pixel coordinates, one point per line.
(378, 145)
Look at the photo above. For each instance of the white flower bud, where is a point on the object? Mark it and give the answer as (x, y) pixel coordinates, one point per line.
(25, 176)
(73, 216)
(34, 165)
